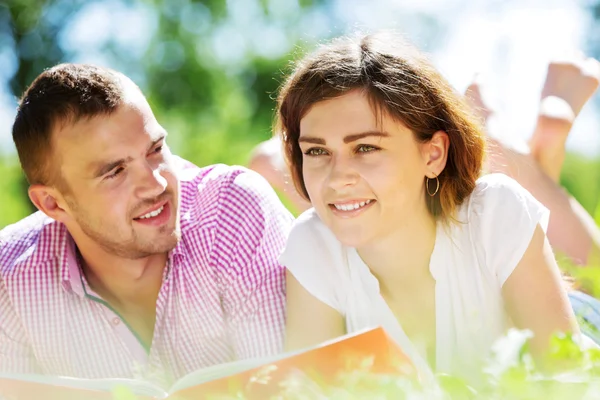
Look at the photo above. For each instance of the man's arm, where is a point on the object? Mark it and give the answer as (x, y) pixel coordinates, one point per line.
(254, 226)
(15, 353)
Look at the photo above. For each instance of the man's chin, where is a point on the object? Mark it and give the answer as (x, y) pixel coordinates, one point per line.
(173, 240)
(168, 243)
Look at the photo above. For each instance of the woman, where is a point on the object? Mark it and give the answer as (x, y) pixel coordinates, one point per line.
(404, 233)
(568, 86)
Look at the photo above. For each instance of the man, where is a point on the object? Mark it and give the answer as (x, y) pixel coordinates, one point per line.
(138, 264)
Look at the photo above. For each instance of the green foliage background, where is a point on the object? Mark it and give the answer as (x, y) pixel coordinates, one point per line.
(216, 108)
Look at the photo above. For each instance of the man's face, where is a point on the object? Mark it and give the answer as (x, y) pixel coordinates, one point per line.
(122, 191)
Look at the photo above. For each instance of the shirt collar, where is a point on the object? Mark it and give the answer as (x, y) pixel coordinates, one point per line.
(72, 278)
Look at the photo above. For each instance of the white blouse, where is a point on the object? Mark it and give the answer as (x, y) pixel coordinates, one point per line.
(470, 262)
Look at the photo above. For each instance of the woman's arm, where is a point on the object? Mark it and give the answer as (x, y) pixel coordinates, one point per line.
(536, 299)
(309, 321)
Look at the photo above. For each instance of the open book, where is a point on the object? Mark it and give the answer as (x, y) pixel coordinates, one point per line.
(256, 378)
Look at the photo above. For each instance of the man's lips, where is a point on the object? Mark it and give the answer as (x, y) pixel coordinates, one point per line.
(158, 217)
(152, 211)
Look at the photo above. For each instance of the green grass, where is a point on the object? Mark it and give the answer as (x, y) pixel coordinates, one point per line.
(506, 378)
(14, 203)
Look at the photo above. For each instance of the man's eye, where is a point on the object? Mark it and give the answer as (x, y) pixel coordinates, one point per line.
(115, 173)
(315, 151)
(158, 149)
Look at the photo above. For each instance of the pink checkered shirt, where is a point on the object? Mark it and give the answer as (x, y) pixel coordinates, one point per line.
(222, 297)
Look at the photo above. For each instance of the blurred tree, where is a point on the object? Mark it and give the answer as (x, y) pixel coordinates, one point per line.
(213, 67)
(594, 34)
(210, 68)
(31, 29)
(208, 71)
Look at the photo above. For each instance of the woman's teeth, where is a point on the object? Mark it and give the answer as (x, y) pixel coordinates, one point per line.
(351, 206)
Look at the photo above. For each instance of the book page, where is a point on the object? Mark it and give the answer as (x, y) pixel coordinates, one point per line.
(325, 359)
(221, 371)
(19, 382)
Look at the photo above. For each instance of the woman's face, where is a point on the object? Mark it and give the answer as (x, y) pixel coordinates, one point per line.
(364, 174)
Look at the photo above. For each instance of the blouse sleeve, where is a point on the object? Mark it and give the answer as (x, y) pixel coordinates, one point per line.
(503, 217)
(315, 258)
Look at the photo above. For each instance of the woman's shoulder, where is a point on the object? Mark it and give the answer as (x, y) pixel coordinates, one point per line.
(496, 184)
(501, 217)
(309, 226)
(496, 196)
(310, 240)
(316, 259)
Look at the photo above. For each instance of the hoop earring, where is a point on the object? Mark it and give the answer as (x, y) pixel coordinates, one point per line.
(437, 186)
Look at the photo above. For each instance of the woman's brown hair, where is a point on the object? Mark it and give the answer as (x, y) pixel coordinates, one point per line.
(398, 81)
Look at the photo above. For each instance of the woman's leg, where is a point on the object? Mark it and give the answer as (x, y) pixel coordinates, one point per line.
(569, 84)
(572, 230)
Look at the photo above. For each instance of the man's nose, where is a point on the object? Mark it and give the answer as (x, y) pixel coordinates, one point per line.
(152, 183)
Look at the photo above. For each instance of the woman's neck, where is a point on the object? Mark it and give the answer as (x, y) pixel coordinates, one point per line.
(402, 257)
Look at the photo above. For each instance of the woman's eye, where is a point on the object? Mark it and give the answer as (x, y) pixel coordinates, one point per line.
(365, 148)
(315, 151)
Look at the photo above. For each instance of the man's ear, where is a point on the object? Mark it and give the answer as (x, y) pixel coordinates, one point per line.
(49, 201)
(436, 153)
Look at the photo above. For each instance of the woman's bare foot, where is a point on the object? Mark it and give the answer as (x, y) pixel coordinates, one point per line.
(571, 230)
(502, 156)
(569, 84)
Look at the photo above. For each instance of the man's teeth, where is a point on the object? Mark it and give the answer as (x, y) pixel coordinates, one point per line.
(152, 213)
(351, 206)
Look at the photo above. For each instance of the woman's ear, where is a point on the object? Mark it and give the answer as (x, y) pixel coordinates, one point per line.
(435, 153)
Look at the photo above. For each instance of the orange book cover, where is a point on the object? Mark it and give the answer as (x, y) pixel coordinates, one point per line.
(322, 364)
(252, 379)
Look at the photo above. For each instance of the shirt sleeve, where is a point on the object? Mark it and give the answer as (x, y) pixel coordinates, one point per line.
(503, 217)
(253, 226)
(316, 259)
(16, 356)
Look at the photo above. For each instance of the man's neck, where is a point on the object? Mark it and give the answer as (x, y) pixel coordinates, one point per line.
(127, 285)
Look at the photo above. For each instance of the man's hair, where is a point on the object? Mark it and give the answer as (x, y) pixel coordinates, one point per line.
(62, 95)
(399, 82)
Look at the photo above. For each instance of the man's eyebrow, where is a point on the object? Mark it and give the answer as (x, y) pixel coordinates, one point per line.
(161, 137)
(103, 167)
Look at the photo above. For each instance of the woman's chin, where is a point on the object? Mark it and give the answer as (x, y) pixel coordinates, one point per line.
(352, 238)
